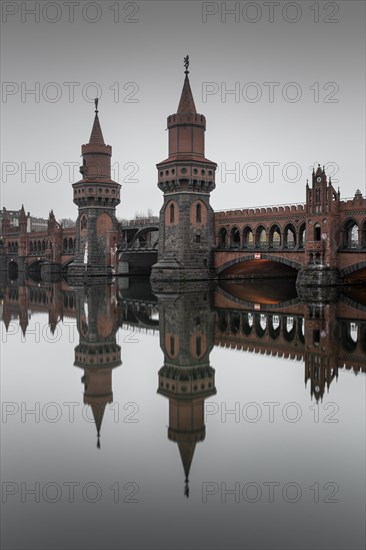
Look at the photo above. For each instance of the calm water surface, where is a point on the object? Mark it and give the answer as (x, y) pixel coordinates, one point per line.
(231, 417)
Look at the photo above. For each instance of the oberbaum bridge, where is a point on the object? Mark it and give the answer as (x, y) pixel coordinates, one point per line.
(322, 242)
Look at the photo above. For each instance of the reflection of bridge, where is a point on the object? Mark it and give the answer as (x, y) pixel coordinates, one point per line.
(327, 336)
(288, 329)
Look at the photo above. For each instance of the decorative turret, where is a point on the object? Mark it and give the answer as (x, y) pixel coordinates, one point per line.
(186, 177)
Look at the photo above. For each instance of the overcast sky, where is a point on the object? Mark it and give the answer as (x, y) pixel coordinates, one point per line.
(296, 71)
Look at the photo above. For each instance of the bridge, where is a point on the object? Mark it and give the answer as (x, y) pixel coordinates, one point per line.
(282, 240)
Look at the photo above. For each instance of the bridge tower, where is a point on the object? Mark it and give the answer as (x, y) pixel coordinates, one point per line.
(186, 177)
(322, 232)
(186, 378)
(96, 196)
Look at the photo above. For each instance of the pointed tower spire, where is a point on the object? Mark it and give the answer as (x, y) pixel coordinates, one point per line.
(96, 135)
(186, 103)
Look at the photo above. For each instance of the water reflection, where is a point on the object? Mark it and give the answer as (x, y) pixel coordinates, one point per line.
(324, 333)
(268, 319)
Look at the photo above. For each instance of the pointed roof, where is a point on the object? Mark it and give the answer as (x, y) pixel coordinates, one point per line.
(186, 103)
(98, 413)
(96, 135)
(186, 451)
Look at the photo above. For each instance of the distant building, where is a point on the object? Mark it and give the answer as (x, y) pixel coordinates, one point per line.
(33, 223)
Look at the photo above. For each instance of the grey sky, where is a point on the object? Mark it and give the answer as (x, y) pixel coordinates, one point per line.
(312, 51)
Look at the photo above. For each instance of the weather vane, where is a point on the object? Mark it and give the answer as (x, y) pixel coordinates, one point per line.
(186, 64)
(96, 100)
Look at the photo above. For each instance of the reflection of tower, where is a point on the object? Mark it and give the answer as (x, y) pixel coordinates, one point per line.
(321, 366)
(186, 379)
(96, 196)
(97, 353)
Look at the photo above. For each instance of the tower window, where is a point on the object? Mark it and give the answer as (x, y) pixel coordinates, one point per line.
(198, 213)
(198, 238)
(198, 346)
(172, 347)
(317, 232)
(171, 213)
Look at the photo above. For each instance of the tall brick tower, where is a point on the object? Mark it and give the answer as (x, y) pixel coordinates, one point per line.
(96, 196)
(186, 177)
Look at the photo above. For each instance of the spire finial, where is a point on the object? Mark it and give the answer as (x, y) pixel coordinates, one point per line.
(186, 487)
(96, 100)
(186, 64)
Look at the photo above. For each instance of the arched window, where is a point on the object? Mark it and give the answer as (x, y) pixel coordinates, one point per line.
(172, 342)
(235, 238)
(83, 223)
(198, 346)
(198, 213)
(171, 213)
(248, 238)
(65, 245)
(290, 236)
(316, 232)
(275, 237)
(261, 237)
(351, 234)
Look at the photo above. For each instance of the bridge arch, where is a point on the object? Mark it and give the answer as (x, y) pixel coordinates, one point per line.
(248, 237)
(350, 233)
(289, 236)
(142, 232)
(235, 237)
(275, 237)
(260, 235)
(352, 269)
(249, 257)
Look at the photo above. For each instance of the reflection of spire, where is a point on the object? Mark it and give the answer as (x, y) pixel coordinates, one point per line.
(186, 488)
(98, 413)
(186, 450)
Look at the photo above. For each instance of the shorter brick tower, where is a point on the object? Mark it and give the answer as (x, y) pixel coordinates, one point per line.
(96, 196)
(186, 177)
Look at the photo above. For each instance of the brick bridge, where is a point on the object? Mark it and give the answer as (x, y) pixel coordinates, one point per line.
(331, 233)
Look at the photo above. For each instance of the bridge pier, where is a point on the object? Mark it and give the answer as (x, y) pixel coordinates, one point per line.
(318, 276)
